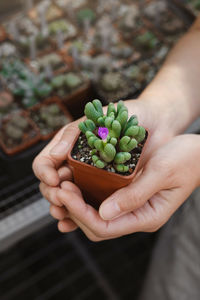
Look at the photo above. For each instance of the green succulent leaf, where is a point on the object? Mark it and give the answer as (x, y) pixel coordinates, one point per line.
(141, 134)
(111, 110)
(93, 151)
(91, 138)
(127, 144)
(122, 157)
(121, 168)
(101, 121)
(122, 118)
(120, 106)
(98, 162)
(99, 145)
(133, 121)
(113, 126)
(93, 110)
(113, 141)
(108, 153)
(87, 125)
(132, 131)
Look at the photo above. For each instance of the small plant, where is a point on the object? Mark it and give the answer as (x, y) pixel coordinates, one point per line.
(86, 14)
(29, 87)
(53, 60)
(7, 49)
(66, 83)
(111, 137)
(50, 117)
(16, 127)
(115, 85)
(146, 41)
(66, 28)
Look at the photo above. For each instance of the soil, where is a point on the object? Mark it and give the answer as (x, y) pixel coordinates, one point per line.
(81, 152)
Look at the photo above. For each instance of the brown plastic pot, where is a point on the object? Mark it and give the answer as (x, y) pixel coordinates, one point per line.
(47, 102)
(77, 99)
(97, 184)
(28, 139)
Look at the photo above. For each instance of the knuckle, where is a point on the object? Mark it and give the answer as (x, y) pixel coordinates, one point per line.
(129, 201)
(124, 205)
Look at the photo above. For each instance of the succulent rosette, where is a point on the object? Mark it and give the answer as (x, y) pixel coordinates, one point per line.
(111, 137)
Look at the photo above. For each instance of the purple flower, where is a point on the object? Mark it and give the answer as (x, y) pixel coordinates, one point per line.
(103, 132)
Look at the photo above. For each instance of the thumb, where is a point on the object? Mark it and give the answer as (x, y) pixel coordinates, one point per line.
(134, 196)
(59, 151)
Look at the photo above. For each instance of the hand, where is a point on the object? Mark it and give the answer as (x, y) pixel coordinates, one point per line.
(169, 177)
(49, 165)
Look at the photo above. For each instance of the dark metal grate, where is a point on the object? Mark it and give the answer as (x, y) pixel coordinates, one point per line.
(50, 266)
(16, 194)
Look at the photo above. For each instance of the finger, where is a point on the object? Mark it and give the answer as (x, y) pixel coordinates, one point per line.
(83, 212)
(50, 193)
(59, 213)
(44, 166)
(67, 225)
(134, 195)
(69, 186)
(45, 170)
(65, 173)
(86, 230)
(60, 150)
(88, 219)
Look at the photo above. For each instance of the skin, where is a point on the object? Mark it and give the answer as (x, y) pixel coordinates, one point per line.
(170, 171)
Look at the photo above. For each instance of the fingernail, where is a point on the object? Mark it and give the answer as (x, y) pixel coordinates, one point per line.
(60, 148)
(110, 210)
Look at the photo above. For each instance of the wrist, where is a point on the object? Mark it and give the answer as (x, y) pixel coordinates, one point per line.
(174, 108)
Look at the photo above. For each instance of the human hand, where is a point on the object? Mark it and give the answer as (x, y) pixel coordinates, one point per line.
(49, 165)
(168, 178)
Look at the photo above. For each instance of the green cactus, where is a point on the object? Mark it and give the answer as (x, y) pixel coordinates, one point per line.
(115, 139)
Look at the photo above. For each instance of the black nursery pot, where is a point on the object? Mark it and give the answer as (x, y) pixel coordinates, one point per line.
(20, 165)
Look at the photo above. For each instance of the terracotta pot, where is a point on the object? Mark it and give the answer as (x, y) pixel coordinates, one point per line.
(28, 138)
(49, 101)
(77, 99)
(97, 184)
(3, 34)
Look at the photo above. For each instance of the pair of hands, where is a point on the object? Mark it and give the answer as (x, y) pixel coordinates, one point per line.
(169, 174)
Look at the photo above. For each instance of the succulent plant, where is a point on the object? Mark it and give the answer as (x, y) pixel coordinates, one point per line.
(111, 137)
(65, 83)
(7, 49)
(53, 60)
(16, 126)
(86, 14)
(141, 72)
(68, 30)
(74, 4)
(49, 117)
(112, 81)
(130, 20)
(23, 83)
(146, 41)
